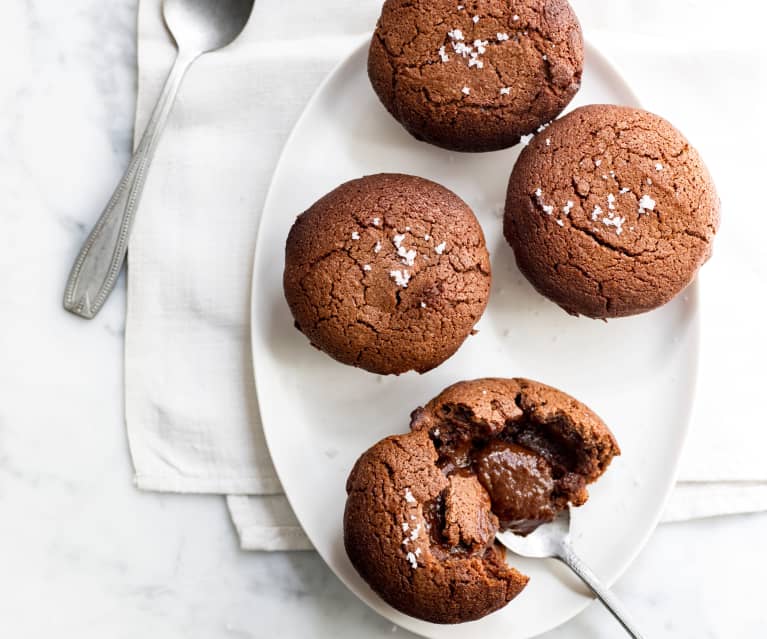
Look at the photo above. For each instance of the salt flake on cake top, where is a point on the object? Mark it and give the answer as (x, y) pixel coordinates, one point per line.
(401, 277)
(646, 204)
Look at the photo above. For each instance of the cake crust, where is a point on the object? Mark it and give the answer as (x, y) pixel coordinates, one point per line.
(476, 78)
(610, 212)
(388, 535)
(423, 508)
(389, 273)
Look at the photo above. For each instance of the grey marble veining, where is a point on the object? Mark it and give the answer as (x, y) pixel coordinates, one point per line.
(83, 554)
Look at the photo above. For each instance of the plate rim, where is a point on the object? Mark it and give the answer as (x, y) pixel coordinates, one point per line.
(592, 52)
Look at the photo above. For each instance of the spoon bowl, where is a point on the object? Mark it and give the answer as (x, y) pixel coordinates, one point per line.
(546, 541)
(203, 26)
(198, 27)
(553, 540)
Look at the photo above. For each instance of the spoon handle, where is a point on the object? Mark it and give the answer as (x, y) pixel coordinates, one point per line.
(611, 602)
(98, 265)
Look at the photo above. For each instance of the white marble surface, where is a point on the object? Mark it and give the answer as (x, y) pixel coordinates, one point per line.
(82, 553)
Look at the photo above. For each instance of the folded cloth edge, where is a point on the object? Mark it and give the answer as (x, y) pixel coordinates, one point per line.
(689, 501)
(266, 529)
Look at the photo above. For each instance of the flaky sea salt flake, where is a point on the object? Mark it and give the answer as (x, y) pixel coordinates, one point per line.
(505, 90)
(466, 90)
(646, 204)
(463, 49)
(355, 235)
(502, 37)
(409, 496)
(617, 222)
(401, 278)
(440, 248)
(408, 256)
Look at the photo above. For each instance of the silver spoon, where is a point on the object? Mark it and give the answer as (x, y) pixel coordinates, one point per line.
(553, 540)
(198, 27)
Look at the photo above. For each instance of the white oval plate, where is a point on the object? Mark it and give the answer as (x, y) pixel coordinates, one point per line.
(319, 416)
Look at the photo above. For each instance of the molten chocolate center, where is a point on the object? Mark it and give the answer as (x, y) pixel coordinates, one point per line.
(520, 482)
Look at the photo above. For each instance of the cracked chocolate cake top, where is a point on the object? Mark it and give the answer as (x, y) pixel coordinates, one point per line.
(476, 75)
(425, 542)
(423, 509)
(388, 272)
(610, 212)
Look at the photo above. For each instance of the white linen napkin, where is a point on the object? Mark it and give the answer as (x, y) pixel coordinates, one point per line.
(192, 419)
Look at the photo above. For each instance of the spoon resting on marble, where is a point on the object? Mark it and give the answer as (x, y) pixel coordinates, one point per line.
(198, 27)
(552, 540)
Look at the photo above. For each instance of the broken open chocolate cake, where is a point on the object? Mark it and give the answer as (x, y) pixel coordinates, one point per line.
(487, 455)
